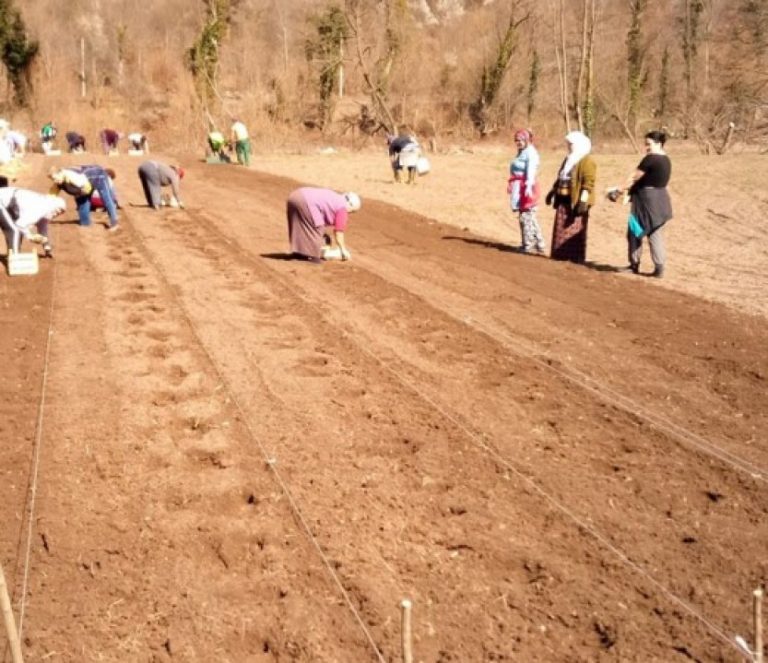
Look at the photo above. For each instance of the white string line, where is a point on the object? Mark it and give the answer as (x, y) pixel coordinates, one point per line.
(38, 445)
(623, 557)
(267, 459)
(605, 393)
(300, 415)
(580, 522)
(658, 421)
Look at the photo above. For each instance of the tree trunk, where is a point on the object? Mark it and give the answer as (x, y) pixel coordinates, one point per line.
(560, 56)
(589, 94)
(578, 96)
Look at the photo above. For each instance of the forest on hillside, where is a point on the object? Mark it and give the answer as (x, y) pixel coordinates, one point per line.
(357, 68)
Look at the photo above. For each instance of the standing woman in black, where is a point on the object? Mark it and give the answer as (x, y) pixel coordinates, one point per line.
(651, 206)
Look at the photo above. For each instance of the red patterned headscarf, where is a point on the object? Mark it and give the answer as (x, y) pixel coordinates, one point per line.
(523, 134)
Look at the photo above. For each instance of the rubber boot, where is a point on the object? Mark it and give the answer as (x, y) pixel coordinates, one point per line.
(658, 272)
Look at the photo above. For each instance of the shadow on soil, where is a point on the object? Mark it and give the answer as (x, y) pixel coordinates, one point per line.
(506, 248)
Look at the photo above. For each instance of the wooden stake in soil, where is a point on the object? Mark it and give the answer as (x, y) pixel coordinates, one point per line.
(10, 622)
(758, 614)
(405, 606)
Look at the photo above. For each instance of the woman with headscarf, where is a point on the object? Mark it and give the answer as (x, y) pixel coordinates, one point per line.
(523, 190)
(309, 211)
(573, 194)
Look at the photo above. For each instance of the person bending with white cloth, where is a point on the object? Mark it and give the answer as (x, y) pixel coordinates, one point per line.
(21, 210)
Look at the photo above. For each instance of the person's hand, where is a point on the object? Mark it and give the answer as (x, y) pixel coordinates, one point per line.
(181, 205)
(614, 194)
(509, 185)
(529, 191)
(582, 208)
(550, 197)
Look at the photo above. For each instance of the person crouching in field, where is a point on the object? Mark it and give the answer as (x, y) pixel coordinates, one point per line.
(154, 175)
(218, 144)
(404, 152)
(109, 140)
(523, 190)
(309, 212)
(572, 195)
(47, 136)
(21, 210)
(139, 142)
(75, 141)
(80, 183)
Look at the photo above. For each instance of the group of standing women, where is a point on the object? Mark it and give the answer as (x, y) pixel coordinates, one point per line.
(573, 195)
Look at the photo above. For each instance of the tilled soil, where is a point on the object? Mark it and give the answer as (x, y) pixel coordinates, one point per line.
(225, 455)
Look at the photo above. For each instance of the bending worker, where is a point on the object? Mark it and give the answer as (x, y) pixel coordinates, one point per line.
(75, 141)
(404, 152)
(309, 211)
(109, 140)
(80, 183)
(138, 142)
(154, 175)
(218, 144)
(20, 210)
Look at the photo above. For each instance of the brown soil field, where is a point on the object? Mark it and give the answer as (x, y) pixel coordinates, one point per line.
(212, 453)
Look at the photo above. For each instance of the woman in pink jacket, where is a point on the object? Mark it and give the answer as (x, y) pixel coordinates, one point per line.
(309, 212)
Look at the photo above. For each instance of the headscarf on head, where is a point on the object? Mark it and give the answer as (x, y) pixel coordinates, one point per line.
(353, 201)
(524, 134)
(581, 148)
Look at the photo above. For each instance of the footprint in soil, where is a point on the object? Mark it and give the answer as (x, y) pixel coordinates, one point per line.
(313, 367)
(134, 297)
(136, 319)
(177, 374)
(606, 633)
(158, 335)
(160, 351)
(217, 459)
(163, 398)
(116, 257)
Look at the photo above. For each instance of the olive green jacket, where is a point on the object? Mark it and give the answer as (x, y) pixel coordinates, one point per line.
(583, 176)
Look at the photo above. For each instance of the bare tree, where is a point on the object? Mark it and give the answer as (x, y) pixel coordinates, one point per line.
(584, 93)
(690, 38)
(561, 56)
(375, 73)
(493, 75)
(533, 83)
(636, 75)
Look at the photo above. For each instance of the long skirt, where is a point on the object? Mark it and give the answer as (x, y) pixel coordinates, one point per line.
(305, 237)
(569, 235)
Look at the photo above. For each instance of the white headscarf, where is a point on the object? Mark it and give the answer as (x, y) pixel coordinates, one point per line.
(581, 148)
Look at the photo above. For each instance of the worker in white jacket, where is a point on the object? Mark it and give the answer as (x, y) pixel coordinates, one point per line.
(21, 210)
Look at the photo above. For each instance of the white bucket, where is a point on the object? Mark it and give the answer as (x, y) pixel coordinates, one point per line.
(20, 264)
(422, 166)
(135, 153)
(333, 253)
